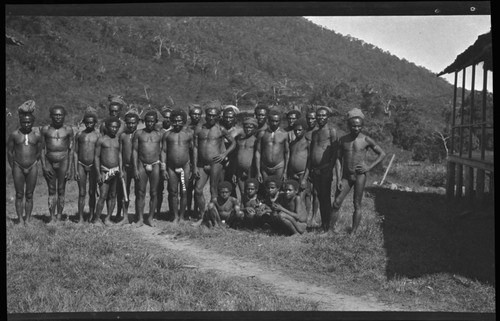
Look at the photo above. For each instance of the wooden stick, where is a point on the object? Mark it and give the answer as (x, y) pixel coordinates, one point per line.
(387, 170)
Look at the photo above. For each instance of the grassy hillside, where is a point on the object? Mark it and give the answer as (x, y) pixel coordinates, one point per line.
(286, 61)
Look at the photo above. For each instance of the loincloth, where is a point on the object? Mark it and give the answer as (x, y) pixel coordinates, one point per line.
(149, 167)
(109, 173)
(56, 165)
(87, 168)
(205, 167)
(180, 171)
(26, 170)
(320, 170)
(272, 170)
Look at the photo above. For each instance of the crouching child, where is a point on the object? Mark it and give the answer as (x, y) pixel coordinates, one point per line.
(224, 208)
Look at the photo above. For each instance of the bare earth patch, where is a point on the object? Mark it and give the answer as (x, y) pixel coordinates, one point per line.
(327, 298)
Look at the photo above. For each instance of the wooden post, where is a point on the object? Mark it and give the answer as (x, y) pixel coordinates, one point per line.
(469, 182)
(480, 185)
(459, 180)
(387, 170)
(450, 181)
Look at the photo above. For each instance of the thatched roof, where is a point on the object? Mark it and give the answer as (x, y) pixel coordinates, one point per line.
(480, 51)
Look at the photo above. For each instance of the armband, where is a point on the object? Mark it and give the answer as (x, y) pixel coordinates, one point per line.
(163, 166)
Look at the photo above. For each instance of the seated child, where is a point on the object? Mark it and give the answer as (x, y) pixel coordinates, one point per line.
(224, 208)
(288, 211)
(252, 207)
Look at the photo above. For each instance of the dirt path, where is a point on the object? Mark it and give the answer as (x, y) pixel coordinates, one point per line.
(327, 297)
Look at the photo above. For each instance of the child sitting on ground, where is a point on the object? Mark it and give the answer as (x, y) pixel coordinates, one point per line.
(288, 211)
(224, 208)
(252, 206)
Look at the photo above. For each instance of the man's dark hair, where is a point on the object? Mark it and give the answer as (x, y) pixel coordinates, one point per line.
(51, 110)
(252, 181)
(274, 178)
(292, 182)
(132, 115)
(178, 112)
(110, 120)
(151, 113)
(262, 106)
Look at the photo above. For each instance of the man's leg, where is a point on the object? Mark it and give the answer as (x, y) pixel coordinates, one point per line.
(119, 198)
(104, 188)
(173, 187)
(92, 191)
(111, 200)
(19, 185)
(127, 179)
(52, 199)
(215, 177)
(359, 188)
(61, 186)
(198, 194)
(159, 193)
(31, 179)
(82, 191)
(337, 203)
(140, 200)
(324, 196)
(154, 178)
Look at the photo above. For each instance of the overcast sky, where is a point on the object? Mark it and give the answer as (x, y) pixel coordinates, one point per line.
(432, 42)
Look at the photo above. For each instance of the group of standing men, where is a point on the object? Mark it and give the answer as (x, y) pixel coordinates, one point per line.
(258, 158)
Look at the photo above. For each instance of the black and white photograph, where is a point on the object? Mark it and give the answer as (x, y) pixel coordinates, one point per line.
(272, 160)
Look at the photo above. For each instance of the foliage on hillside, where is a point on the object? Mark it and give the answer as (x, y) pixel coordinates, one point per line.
(285, 61)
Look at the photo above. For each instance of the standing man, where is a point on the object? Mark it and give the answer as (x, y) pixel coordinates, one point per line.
(107, 161)
(311, 196)
(115, 108)
(229, 123)
(208, 155)
(125, 160)
(176, 163)
(85, 142)
(146, 161)
(271, 155)
(24, 147)
(246, 145)
(57, 159)
(163, 127)
(351, 163)
(261, 113)
(323, 152)
(195, 113)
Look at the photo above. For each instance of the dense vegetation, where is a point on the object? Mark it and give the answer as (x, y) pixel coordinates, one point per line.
(286, 61)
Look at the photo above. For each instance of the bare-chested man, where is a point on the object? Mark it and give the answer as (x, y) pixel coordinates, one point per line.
(195, 113)
(292, 117)
(299, 154)
(271, 154)
(57, 159)
(311, 197)
(125, 160)
(84, 151)
(261, 113)
(115, 108)
(107, 161)
(208, 154)
(322, 153)
(163, 127)
(229, 123)
(177, 169)
(147, 144)
(24, 147)
(352, 167)
(246, 144)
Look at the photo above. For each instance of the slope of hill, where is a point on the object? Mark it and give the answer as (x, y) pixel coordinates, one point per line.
(286, 61)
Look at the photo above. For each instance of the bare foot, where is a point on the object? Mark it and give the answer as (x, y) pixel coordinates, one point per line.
(197, 223)
(139, 223)
(107, 222)
(122, 222)
(98, 222)
(149, 222)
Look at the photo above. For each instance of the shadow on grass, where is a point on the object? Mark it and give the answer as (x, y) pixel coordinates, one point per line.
(425, 234)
